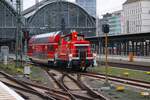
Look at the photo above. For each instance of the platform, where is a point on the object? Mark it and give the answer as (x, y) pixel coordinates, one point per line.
(137, 60)
(8, 94)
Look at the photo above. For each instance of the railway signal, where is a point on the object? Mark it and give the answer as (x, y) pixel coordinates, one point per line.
(105, 29)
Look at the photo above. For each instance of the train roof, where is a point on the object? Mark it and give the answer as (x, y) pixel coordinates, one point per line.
(45, 38)
(51, 34)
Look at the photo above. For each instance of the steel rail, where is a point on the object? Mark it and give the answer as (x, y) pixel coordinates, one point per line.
(89, 90)
(66, 88)
(130, 66)
(26, 87)
(49, 91)
(82, 97)
(59, 83)
(128, 81)
(29, 91)
(58, 96)
(78, 96)
(77, 82)
(36, 85)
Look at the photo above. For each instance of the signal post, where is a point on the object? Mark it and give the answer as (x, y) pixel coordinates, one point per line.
(105, 29)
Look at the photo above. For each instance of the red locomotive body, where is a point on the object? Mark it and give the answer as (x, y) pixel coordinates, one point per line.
(70, 50)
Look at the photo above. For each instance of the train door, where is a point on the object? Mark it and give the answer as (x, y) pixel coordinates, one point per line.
(45, 51)
(82, 53)
(51, 51)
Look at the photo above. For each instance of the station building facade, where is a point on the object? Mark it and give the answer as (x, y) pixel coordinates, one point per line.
(115, 22)
(8, 22)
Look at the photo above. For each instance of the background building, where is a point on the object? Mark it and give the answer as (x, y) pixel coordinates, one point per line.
(136, 16)
(114, 21)
(104, 20)
(88, 5)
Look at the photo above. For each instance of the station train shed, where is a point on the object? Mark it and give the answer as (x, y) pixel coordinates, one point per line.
(138, 44)
(8, 23)
(52, 16)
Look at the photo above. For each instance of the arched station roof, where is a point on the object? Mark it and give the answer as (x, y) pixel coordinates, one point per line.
(9, 7)
(62, 15)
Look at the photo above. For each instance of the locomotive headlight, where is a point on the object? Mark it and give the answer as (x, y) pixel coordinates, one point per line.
(75, 36)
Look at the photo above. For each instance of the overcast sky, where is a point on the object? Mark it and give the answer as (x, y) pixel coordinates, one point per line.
(103, 6)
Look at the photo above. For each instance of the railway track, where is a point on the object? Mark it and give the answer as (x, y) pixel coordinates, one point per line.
(73, 94)
(89, 91)
(133, 82)
(75, 88)
(60, 85)
(129, 66)
(32, 91)
(78, 89)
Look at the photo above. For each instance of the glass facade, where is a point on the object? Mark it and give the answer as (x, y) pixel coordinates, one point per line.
(114, 21)
(115, 25)
(88, 5)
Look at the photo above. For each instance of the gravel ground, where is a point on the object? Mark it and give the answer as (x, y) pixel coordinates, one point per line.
(127, 94)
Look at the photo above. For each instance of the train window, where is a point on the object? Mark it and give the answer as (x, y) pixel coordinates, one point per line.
(80, 38)
(51, 48)
(60, 42)
(42, 40)
(29, 48)
(68, 38)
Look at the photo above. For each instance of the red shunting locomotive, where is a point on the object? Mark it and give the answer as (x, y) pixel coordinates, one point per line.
(71, 51)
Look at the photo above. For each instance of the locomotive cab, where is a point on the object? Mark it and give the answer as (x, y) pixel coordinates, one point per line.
(75, 51)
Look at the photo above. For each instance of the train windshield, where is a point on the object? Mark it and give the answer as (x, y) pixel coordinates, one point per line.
(80, 37)
(69, 37)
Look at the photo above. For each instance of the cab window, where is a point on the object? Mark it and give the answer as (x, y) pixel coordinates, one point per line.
(50, 48)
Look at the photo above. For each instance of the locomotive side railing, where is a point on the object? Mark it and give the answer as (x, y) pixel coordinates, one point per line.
(77, 52)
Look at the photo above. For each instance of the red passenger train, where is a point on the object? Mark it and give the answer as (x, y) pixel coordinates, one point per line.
(71, 51)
